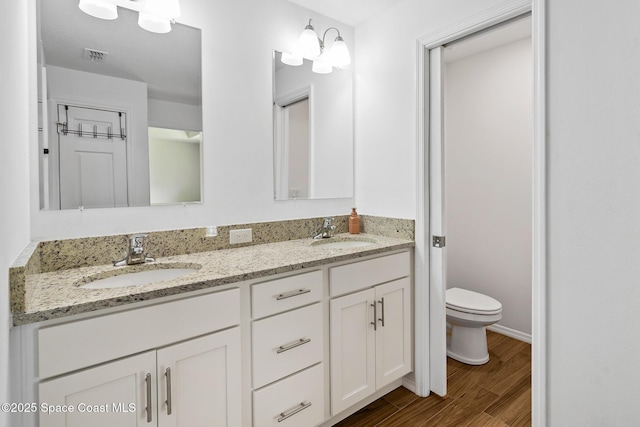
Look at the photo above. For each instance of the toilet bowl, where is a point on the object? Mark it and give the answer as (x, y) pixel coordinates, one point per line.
(468, 313)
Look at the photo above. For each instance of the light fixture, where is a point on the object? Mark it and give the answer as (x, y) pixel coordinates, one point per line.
(291, 59)
(324, 57)
(99, 9)
(153, 15)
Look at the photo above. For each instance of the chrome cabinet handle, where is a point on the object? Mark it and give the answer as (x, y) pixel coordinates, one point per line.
(167, 374)
(381, 301)
(287, 347)
(375, 316)
(293, 293)
(291, 412)
(147, 380)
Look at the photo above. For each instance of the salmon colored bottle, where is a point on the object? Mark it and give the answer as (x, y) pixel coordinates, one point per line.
(354, 222)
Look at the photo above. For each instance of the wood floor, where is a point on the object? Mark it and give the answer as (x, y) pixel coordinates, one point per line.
(496, 394)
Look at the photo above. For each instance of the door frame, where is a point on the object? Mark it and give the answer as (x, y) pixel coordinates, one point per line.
(430, 337)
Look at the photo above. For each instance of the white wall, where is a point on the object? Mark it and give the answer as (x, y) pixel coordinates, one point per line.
(386, 100)
(15, 115)
(174, 115)
(238, 39)
(593, 76)
(488, 177)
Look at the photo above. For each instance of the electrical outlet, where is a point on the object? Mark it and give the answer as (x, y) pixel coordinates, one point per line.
(240, 236)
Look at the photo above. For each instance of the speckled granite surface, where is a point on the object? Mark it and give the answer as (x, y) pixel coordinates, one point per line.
(58, 255)
(57, 294)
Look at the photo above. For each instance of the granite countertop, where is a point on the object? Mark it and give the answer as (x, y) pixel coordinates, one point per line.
(58, 294)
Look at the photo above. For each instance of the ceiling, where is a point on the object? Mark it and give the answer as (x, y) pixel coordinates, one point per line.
(169, 63)
(350, 12)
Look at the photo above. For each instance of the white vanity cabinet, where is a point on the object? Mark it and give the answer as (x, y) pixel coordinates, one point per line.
(371, 337)
(287, 350)
(194, 383)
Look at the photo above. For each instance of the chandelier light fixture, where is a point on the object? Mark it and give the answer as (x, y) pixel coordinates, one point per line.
(312, 47)
(153, 15)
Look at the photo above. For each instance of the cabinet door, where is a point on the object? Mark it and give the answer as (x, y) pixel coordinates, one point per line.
(393, 336)
(352, 349)
(115, 394)
(199, 382)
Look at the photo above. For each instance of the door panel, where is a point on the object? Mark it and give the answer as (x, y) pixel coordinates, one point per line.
(101, 396)
(352, 349)
(437, 226)
(204, 380)
(93, 166)
(393, 337)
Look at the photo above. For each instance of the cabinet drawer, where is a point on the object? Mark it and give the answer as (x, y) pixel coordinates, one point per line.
(295, 401)
(285, 294)
(349, 278)
(75, 345)
(286, 343)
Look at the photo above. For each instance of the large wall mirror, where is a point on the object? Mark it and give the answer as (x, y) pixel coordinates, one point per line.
(120, 111)
(313, 132)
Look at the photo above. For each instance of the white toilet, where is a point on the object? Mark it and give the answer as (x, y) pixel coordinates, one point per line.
(468, 313)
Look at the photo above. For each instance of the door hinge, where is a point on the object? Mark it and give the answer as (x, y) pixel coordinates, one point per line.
(439, 241)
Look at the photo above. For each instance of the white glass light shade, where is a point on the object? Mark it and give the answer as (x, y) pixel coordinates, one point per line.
(155, 24)
(308, 44)
(291, 59)
(99, 9)
(321, 67)
(340, 53)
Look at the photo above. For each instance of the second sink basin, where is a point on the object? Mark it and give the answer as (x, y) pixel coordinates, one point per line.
(138, 278)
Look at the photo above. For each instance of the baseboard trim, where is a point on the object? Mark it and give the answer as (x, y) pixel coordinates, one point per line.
(409, 383)
(512, 333)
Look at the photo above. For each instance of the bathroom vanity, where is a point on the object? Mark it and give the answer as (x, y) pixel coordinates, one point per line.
(292, 333)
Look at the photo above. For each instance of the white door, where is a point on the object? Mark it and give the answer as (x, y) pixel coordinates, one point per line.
(352, 349)
(199, 382)
(393, 335)
(121, 393)
(93, 158)
(437, 226)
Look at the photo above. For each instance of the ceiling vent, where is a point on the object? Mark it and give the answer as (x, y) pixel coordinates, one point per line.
(94, 55)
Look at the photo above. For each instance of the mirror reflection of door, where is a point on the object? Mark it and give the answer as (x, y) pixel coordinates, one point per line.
(92, 158)
(297, 140)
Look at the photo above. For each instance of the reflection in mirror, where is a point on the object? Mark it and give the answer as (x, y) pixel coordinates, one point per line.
(313, 132)
(174, 165)
(120, 110)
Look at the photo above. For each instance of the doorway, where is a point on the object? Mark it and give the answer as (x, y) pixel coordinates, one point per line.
(430, 297)
(487, 97)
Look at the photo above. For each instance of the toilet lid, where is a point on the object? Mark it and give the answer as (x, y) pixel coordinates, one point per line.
(471, 302)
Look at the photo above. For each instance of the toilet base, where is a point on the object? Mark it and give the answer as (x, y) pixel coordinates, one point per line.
(468, 345)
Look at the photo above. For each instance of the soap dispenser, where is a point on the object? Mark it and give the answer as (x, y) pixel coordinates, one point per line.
(354, 222)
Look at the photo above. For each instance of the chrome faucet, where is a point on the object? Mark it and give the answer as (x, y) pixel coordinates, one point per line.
(327, 229)
(135, 253)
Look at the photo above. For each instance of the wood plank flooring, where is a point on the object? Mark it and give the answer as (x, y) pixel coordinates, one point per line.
(497, 394)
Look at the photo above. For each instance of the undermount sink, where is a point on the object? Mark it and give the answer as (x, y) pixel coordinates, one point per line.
(159, 273)
(342, 243)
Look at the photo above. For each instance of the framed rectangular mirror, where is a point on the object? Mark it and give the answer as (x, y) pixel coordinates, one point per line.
(313, 132)
(120, 110)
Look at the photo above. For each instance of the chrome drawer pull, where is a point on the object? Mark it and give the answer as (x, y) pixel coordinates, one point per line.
(147, 380)
(381, 301)
(168, 375)
(375, 316)
(287, 347)
(294, 293)
(302, 406)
